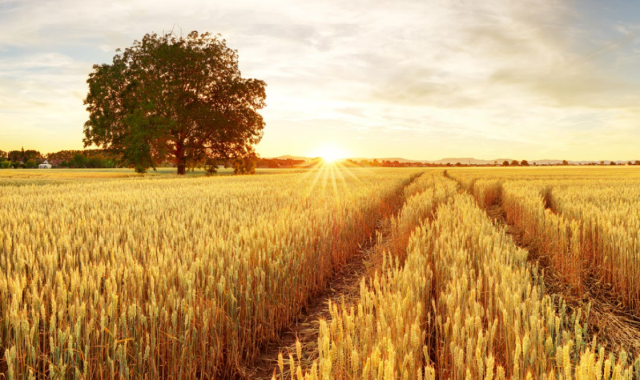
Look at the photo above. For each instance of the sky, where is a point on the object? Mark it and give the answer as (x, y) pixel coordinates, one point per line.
(428, 79)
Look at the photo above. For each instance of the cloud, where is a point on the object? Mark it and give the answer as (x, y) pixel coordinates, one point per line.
(434, 77)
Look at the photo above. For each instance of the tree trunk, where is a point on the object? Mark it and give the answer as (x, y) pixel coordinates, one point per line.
(181, 163)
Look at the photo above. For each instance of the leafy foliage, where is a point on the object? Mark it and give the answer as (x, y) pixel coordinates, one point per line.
(169, 97)
(24, 155)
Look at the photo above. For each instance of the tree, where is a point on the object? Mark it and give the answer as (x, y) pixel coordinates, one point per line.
(31, 155)
(514, 163)
(3, 155)
(95, 162)
(505, 163)
(64, 155)
(79, 161)
(15, 156)
(22, 155)
(637, 162)
(524, 163)
(30, 164)
(245, 165)
(565, 162)
(612, 163)
(179, 98)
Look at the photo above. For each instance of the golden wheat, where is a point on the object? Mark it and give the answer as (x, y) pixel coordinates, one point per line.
(171, 278)
(175, 278)
(469, 296)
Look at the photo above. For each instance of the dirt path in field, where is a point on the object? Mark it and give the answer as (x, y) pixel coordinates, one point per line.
(343, 286)
(616, 327)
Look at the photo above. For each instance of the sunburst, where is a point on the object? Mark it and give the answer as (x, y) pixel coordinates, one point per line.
(330, 153)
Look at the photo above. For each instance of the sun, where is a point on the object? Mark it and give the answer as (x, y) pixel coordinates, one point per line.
(330, 153)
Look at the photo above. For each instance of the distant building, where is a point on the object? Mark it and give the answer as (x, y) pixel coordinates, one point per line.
(44, 165)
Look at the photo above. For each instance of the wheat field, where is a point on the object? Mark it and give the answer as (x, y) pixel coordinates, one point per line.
(183, 278)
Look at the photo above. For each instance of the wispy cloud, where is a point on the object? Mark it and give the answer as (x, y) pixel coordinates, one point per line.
(434, 78)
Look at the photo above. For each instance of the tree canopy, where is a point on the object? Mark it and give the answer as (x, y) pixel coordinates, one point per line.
(175, 98)
(24, 155)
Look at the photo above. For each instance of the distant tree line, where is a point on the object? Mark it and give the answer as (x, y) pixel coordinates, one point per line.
(566, 163)
(102, 158)
(20, 159)
(88, 158)
(278, 163)
(385, 163)
(28, 159)
(563, 163)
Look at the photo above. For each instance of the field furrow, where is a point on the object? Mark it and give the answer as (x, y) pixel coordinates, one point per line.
(343, 285)
(568, 266)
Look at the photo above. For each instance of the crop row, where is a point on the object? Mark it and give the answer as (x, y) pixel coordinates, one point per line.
(465, 305)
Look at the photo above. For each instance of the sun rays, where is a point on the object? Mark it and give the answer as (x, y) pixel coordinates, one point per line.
(336, 175)
(330, 153)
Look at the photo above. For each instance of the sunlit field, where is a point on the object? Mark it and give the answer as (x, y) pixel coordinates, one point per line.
(116, 173)
(470, 273)
(171, 277)
(39, 177)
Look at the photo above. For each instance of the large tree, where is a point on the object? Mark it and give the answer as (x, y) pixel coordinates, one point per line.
(180, 98)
